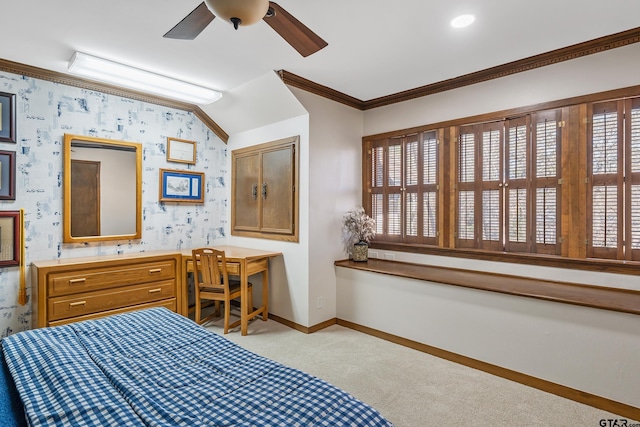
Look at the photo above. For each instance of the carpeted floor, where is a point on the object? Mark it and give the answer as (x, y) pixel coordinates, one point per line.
(411, 388)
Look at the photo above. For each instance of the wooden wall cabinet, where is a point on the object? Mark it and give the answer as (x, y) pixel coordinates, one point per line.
(264, 190)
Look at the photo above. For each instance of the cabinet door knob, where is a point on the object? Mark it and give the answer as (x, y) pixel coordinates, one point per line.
(264, 190)
(77, 303)
(254, 191)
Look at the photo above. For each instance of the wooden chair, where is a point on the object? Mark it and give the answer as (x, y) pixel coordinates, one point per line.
(212, 282)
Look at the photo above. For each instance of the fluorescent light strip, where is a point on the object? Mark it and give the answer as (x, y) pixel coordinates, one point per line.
(144, 81)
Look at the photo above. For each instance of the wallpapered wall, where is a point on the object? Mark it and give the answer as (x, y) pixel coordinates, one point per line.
(45, 111)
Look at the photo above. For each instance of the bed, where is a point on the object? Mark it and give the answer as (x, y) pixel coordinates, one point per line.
(156, 368)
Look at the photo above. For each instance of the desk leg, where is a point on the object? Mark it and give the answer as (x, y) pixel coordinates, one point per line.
(244, 300)
(265, 294)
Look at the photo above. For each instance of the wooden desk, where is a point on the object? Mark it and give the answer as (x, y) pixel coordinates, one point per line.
(242, 262)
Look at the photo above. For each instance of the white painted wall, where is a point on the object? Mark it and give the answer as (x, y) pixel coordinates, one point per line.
(592, 350)
(289, 274)
(583, 348)
(608, 70)
(335, 185)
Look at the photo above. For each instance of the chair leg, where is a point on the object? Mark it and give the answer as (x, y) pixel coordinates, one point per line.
(227, 315)
(198, 308)
(216, 312)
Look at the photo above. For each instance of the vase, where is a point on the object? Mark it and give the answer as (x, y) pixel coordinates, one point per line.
(361, 251)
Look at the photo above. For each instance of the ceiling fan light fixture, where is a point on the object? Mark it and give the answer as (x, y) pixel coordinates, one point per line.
(239, 12)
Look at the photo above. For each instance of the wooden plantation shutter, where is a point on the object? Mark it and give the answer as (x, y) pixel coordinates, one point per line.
(466, 183)
(606, 175)
(480, 181)
(394, 189)
(518, 198)
(377, 185)
(429, 190)
(491, 155)
(545, 177)
(632, 179)
(403, 180)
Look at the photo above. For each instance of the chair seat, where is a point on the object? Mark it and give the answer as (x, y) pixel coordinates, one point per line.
(234, 285)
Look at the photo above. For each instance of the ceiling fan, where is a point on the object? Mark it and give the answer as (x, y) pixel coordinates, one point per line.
(247, 12)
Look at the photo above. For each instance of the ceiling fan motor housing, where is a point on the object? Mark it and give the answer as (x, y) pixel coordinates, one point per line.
(239, 12)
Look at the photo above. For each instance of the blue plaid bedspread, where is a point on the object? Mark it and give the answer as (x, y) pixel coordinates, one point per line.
(156, 368)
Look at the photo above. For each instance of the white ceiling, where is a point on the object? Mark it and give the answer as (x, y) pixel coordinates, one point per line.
(376, 47)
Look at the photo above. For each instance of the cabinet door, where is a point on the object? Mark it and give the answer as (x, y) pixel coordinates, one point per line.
(277, 190)
(247, 200)
(264, 201)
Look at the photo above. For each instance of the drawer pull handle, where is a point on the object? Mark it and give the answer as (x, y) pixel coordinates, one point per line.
(155, 270)
(76, 281)
(77, 303)
(155, 291)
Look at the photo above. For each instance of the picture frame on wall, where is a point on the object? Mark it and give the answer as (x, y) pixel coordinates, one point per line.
(7, 117)
(181, 186)
(9, 238)
(7, 175)
(181, 151)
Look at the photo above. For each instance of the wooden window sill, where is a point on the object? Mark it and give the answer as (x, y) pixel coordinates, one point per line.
(622, 300)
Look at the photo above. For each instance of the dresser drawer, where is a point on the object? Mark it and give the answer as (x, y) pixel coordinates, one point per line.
(92, 302)
(109, 277)
(167, 303)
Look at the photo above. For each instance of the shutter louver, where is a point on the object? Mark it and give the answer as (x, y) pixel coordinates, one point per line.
(394, 215)
(546, 220)
(491, 146)
(491, 215)
(605, 216)
(518, 215)
(377, 167)
(411, 163)
(411, 219)
(466, 215)
(518, 152)
(429, 158)
(377, 212)
(429, 225)
(635, 217)
(546, 143)
(605, 143)
(395, 165)
(467, 158)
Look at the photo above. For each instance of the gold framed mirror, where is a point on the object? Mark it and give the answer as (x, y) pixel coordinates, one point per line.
(102, 189)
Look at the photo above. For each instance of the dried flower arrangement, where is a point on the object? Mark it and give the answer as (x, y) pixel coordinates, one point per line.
(358, 227)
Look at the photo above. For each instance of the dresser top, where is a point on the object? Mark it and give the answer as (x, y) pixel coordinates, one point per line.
(102, 258)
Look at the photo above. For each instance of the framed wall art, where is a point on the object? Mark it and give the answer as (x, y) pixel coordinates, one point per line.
(7, 175)
(9, 238)
(181, 186)
(181, 151)
(7, 117)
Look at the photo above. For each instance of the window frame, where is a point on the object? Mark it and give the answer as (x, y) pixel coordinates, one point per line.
(572, 237)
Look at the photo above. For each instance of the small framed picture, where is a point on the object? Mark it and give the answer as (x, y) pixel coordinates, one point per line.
(9, 238)
(181, 151)
(181, 186)
(7, 117)
(7, 175)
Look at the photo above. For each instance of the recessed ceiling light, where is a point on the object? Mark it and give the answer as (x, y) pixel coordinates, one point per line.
(462, 21)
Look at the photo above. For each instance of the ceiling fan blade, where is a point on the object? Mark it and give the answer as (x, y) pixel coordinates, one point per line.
(192, 24)
(300, 37)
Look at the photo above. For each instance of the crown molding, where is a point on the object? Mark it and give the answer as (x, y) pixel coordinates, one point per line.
(578, 50)
(318, 89)
(68, 80)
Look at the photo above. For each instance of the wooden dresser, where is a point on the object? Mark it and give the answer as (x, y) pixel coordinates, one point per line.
(70, 290)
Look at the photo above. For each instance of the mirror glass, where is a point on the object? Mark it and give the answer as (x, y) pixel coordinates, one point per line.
(102, 189)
